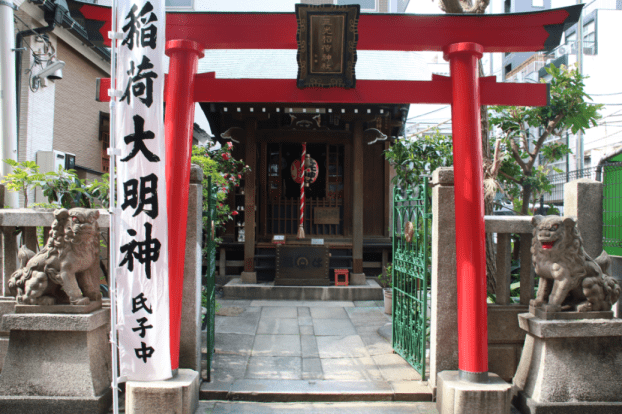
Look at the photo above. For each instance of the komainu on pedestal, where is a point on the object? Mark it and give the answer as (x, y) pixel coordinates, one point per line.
(570, 280)
(66, 270)
(570, 359)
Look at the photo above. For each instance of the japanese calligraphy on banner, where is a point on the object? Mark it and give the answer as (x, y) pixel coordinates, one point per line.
(142, 238)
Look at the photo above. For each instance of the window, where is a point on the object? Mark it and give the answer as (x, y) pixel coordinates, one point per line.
(537, 3)
(508, 69)
(104, 137)
(589, 38)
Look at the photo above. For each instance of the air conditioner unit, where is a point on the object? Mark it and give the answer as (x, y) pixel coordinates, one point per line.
(561, 51)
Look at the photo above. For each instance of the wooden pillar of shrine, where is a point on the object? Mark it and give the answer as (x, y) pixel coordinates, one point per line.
(357, 277)
(250, 157)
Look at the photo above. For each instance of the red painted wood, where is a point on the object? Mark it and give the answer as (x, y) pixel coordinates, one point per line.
(178, 124)
(469, 201)
(437, 91)
(101, 14)
(517, 32)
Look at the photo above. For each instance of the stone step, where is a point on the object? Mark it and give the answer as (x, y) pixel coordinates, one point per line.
(385, 407)
(238, 290)
(260, 390)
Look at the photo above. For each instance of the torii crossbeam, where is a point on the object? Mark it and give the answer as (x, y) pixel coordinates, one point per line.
(462, 38)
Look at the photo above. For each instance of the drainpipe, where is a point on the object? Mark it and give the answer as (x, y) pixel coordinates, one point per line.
(7, 96)
(52, 21)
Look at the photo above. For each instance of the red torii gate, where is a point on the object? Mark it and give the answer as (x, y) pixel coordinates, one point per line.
(462, 38)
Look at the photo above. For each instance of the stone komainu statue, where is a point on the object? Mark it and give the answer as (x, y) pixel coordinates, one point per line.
(569, 278)
(69, 260)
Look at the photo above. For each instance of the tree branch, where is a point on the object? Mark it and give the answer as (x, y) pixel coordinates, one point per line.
(496, 163)
(548, 131)
(523, 136)
(516, 155)
(509, 177)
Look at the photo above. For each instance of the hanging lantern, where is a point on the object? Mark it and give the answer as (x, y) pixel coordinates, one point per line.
(311, 171)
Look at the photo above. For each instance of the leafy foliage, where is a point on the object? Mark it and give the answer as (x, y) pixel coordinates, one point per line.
(25, 176)
(569, 110)
(411, 158)
(62, 188)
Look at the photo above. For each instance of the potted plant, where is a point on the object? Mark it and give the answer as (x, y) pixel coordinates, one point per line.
(386, 281)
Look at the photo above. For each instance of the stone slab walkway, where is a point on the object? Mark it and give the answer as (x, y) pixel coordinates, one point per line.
(282, 351)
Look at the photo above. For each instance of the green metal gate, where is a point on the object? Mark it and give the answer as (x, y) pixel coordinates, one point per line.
(209, 279)
(411, 258)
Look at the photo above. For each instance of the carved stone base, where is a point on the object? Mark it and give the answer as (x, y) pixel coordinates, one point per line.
(75, 309)
(542, 314)
(57, 364)
(569, 366)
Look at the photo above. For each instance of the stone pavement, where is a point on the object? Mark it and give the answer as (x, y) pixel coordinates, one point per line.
(286, 351)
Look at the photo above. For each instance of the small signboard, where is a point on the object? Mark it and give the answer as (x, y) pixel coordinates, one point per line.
(327, 37)
(326, 215)
(278, 239)
(317, 241)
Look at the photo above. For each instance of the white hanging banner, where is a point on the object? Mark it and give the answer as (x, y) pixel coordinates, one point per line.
(142, 235)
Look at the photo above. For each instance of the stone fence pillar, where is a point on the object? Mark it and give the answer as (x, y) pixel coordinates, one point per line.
(190, 346)
(444, 318)
(583, 198)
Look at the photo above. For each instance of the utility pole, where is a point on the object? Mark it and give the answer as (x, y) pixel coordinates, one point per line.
(8, 97)
(580, 155)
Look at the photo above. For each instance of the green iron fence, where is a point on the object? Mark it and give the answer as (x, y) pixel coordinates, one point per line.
(209, 279)
(612, 207)
(410, 272)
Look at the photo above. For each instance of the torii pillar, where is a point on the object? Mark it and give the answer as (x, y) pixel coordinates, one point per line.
(469, 202)
(178, 124)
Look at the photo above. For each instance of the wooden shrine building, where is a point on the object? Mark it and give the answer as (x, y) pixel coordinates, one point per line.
(346, 209)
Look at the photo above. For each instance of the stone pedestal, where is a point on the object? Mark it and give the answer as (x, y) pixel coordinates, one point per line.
(456, 396)
(190, 343)
(358, 279)
(444, 303)
(7, 306)
(569, 366)
(179, 395)
(249, 277)
(57, 363)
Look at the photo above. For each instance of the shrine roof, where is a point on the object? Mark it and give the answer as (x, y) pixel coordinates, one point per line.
(282, 64)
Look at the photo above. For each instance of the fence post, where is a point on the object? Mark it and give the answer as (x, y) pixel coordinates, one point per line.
(583, 198)
(190, 344)
(444, 318)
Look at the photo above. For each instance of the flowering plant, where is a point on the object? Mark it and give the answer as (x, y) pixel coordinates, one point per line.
(226, 173)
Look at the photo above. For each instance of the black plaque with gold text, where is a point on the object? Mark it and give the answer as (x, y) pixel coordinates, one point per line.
(327, 37)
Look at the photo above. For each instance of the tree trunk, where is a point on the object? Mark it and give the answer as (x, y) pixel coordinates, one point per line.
(524, 210)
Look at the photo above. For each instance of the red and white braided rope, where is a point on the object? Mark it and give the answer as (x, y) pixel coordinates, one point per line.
(301, 229)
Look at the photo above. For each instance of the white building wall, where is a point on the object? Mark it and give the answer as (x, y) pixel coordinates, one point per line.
(605, 80)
